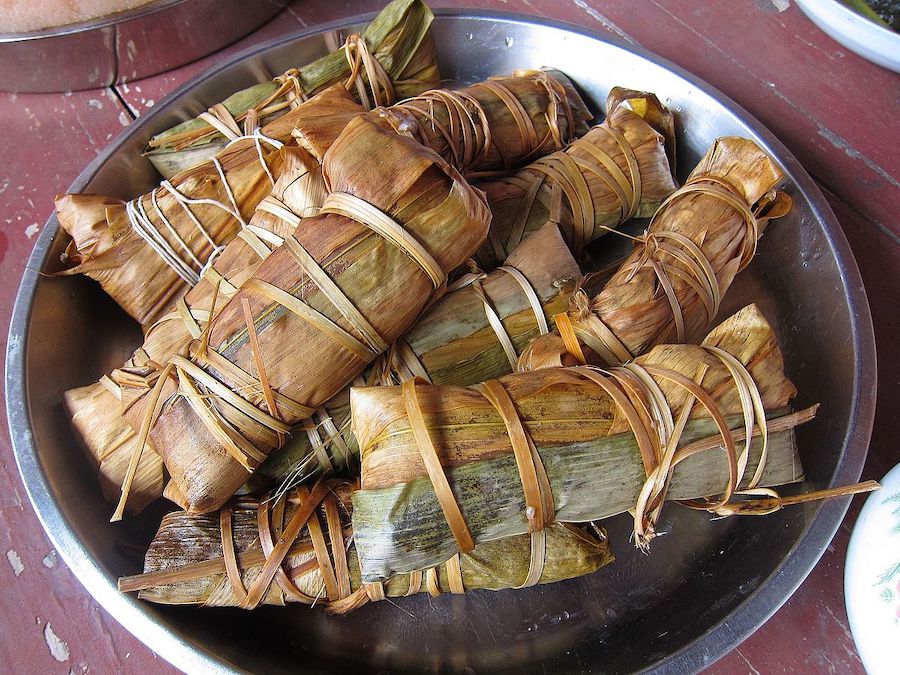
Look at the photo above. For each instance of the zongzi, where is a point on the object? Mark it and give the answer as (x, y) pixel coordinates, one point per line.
(394, 57)
(618, 170)
(445, 468)
(219, 559)
(343, 286)
(497, 124)
(669, 289)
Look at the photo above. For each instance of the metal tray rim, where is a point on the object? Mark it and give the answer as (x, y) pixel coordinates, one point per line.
(90, 24)
(758, 607)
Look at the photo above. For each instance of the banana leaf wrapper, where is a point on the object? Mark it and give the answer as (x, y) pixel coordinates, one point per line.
(147, 280)
(454, 342)
(594, 465)
(495, 125)
(186, 559)
(109, 441)
(670, 287)
(319, 309)
(398, 39)
(617, 171)
(534, 113)
(315, 132)
(97, 411)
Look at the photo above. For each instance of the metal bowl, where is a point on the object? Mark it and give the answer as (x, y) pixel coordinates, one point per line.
(704, 587)
(125, 46)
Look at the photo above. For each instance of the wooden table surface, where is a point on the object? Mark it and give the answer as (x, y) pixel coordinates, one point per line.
(835, 112)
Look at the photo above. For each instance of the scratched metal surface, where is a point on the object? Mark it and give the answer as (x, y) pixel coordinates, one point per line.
(832, 110)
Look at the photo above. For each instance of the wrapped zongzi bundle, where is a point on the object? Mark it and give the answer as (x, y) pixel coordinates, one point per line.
(146, 253)
(187, 562)
(315, 131)
(97, 410)
(497, 124)
(446, 468)
(670, 287)
(321, 307)
(472, 333)
(618, 170)
(393, 59)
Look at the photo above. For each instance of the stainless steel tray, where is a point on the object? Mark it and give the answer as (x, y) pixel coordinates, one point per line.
(126, 46)
(704, 587)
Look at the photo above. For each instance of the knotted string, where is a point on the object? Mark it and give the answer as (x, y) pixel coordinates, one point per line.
(401, 362)
(636, 392)
(566, 172)
(289, 94)
(671, 256)
(277, 544)
(466, 133)
(494, 320)
(193, 269)
(350, 206)
(330, 451)
(260, 240)
(362, 61)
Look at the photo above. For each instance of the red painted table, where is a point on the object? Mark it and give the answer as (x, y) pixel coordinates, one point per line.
(834, 111)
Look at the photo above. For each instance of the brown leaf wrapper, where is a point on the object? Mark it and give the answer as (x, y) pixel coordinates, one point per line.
(399, 43)
(618, 170)
(303, 365)
(633, 306)
(586, 442)
(497, 124)
(185, 541)
(97, 410)
(452, 343)
(106, 248)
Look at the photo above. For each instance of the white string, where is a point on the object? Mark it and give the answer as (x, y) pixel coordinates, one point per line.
(165, 220)
(258, 139)
(145, 228)
(141, 224)
(184, 200)
(212, 259)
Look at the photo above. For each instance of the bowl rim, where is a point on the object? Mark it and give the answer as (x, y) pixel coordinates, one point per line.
(845, 13)
(869, 519)
(748, 616)
(98, 22)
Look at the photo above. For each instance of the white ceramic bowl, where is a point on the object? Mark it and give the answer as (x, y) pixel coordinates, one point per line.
(872, 578)
(861, 35)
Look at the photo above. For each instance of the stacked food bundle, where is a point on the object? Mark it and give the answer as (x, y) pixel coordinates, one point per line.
(147, 252)
(336, 304)
(391, 60)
